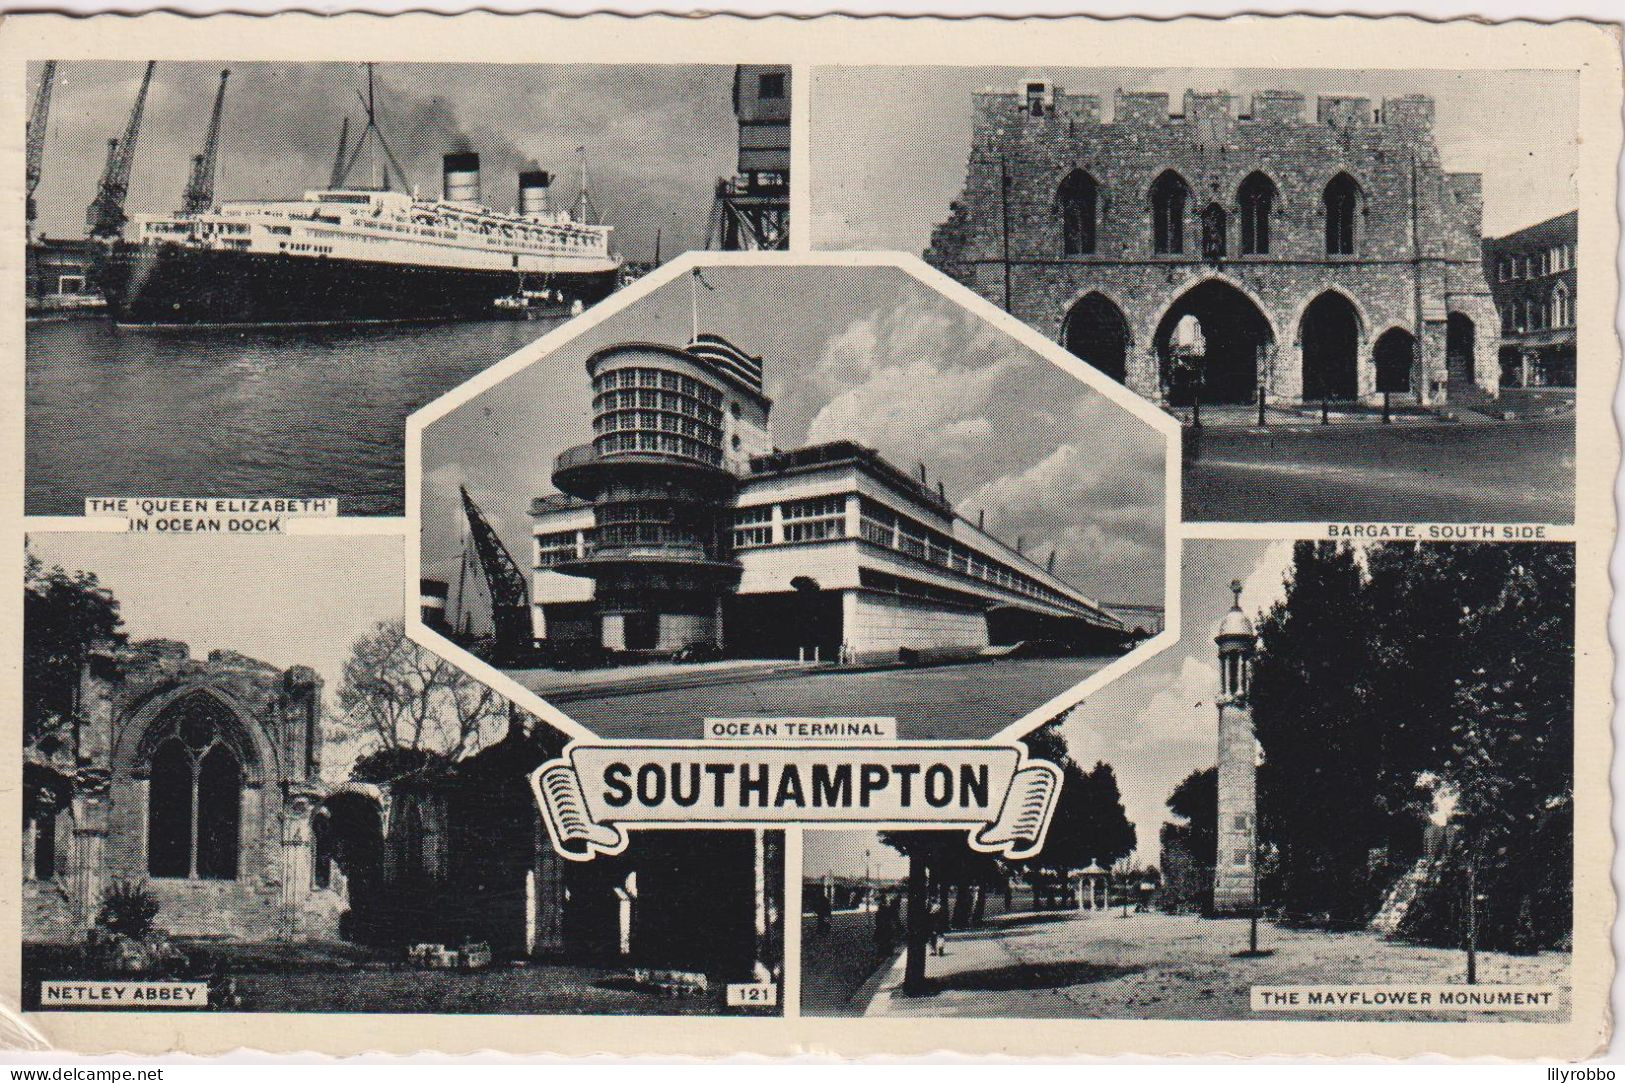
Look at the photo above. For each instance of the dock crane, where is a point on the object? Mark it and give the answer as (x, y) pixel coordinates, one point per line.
(36, 137)
(199, 197)
(105, 217)
(505, 582)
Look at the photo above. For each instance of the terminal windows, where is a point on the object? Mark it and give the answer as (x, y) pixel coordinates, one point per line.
(753, 527)
(816, 519)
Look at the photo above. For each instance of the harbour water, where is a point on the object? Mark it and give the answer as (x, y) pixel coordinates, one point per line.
(305, 412)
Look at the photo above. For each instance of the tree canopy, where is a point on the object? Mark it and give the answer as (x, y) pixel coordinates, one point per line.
(1400, 679)
(65, 617)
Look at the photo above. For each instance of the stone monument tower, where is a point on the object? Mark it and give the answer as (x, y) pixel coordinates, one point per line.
(1233, 872)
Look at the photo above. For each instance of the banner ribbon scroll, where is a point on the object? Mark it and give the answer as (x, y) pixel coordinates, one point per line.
(596, 791)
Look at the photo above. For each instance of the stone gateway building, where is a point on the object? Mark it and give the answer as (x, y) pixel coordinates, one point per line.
(1323, 259)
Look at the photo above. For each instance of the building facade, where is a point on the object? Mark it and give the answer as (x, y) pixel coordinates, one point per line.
(1324, 259)
(1235, 878)
(1534, 276)
(198, 779)
(680, 526)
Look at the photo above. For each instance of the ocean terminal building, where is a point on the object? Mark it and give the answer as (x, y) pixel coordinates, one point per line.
(680, 526)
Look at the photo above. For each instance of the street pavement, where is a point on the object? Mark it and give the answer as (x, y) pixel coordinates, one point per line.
(836, 964)
(1101, 965)
(1515, 471)
(973, 700)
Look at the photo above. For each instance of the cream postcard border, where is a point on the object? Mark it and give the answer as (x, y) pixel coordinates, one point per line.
(1298, 42)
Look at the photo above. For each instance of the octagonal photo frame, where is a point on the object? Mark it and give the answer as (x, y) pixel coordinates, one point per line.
(775, 570)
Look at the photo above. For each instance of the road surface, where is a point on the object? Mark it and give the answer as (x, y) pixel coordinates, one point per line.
(973, 700)
(1100, 965)
(1516, 471)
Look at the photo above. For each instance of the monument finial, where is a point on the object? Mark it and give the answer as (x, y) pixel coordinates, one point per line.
(1235, 588)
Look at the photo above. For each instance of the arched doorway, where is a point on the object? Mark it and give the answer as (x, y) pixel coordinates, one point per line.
(1237, 336)
(1096, 331)
(1460, 342)
(1395, 354)
(347, 830)
(1330, 335)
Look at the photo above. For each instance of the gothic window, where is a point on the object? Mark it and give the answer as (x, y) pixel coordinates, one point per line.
(1214, 222)
(1342, 203)
(1076, 199)
(194, 795)
(1168, 198)
(1562, 308)
(1257, 200)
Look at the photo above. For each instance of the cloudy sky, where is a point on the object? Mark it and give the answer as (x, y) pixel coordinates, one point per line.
(287, 600)
(889, 144)
(865, 354)
(657, 136)
(1154, 726)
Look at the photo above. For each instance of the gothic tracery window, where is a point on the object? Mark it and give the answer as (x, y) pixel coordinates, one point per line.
(1341, 203)
(1168, 198)
(194, 795)
(1077, 200)
(1257, 201)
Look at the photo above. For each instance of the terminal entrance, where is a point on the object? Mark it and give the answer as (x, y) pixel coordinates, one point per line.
(796, 624)
(1237, 337)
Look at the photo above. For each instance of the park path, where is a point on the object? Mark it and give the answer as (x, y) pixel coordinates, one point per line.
(1101, 965)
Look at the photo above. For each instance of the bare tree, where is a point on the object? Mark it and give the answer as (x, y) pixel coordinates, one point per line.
(399, 697)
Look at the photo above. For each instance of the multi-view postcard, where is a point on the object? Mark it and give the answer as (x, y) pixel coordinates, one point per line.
(621, 536)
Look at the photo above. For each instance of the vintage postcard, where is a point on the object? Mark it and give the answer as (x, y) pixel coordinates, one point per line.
(885, 536)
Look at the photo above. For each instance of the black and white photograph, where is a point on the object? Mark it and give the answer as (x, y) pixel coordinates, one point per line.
(1355, 289)
(242, 277)
(1352, 775)
(871, 505)
(269, 799)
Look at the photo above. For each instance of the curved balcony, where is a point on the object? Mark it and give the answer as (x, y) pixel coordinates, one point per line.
(583, 470)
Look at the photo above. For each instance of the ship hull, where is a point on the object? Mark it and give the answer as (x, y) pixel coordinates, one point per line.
(168, 285)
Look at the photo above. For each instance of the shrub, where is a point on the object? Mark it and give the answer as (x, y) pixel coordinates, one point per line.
(127, 909)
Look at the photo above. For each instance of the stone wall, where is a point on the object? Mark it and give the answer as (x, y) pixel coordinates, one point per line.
(876, 626)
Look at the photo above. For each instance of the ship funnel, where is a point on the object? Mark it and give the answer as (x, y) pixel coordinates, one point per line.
(461, 178)
(533, 192)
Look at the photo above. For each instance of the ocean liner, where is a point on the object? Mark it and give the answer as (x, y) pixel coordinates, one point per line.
(355, 254)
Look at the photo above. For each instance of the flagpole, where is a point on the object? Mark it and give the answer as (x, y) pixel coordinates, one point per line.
(694, 305)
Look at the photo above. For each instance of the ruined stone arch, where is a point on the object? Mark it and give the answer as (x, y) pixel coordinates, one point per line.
(139, 737)
(199, 756)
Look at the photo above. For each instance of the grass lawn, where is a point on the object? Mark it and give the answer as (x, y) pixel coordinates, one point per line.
(346, 978)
